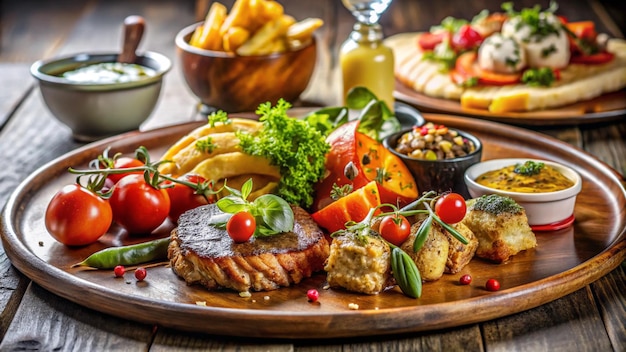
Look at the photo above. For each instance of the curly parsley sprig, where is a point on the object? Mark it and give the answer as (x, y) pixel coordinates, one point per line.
(297, 148)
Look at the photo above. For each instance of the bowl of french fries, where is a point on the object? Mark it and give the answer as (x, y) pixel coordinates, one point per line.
(253, 53)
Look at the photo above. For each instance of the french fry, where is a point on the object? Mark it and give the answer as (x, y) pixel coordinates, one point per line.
(239, 16)
(234, 38)
(195, 36)
(303, 30)
(265, 35)
(269, 10)
(278, 45)
(253, 27)
(210, 38)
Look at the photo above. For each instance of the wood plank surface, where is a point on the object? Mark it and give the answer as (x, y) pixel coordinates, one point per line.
(590, 319)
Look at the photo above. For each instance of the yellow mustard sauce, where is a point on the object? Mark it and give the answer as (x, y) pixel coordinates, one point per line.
(547, 180)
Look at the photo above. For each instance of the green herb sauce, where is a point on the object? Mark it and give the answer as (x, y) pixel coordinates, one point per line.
(496, 204)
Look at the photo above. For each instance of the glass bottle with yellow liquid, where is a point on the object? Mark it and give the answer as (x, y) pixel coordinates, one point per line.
(365, 60)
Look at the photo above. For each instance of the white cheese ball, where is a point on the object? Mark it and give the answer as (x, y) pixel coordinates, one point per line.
(547, 49)
(501, 54)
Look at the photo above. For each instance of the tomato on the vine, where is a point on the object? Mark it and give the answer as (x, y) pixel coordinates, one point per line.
(241, 226)
(395, 229)
(77, 216)
(138, 206)
(183, 197)
(451, 208)
(125, 163)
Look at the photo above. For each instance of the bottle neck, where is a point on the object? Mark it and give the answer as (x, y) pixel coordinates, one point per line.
(366, 33)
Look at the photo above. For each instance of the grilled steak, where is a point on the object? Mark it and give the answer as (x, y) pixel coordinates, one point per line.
(204, 254)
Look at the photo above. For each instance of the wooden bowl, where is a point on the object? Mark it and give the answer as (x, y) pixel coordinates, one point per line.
(235, 83)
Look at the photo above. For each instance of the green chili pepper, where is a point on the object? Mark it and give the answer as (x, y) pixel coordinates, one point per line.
(109, 258)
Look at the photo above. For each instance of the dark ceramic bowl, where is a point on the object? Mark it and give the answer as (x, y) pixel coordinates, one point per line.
(97, 110)
(438, 175)
(235, 83)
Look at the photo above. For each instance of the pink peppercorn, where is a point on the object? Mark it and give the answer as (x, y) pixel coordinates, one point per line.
(492, 285)
(313, 295)
(119, 271)
(140, 273)
(465, 279)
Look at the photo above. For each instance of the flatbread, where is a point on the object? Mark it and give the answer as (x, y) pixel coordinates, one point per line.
(578, 82)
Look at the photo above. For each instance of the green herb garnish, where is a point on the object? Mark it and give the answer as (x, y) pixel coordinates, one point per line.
(297, 148)
(205, 145)
(375, 118)
(495, 204)
(450, 24)
(218, 116)
(538, 24)
(273, 215)
(443, 54)
(536, 77)
(470, 82)
(338, 192)
(529, 168)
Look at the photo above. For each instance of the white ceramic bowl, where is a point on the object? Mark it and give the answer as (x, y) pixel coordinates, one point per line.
(542, 209)
(97, 110)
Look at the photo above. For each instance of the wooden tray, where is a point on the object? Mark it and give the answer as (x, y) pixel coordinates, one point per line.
(607, 107)
(564, 261)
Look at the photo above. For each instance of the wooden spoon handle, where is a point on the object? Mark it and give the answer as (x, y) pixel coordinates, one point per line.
(133, 32)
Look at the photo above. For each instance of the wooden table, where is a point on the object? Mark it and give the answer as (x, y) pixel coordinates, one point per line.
(590, 319)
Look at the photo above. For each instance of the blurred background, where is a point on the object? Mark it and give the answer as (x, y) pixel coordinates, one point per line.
(34, 29)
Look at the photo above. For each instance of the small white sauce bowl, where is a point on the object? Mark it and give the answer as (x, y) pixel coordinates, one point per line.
(541, 208)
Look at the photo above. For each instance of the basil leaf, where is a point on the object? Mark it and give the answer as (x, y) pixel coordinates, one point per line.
(231, 204)
(246, 189)
(262, 230)
(327, 119)
(275, 212)
(358, 98)
(377, 121)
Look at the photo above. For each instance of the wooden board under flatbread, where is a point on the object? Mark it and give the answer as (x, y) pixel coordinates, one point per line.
(578, 82)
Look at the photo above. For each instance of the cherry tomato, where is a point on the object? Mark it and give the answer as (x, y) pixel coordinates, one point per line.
(492, 285)
(76, 216)
(241, 226)
(395, 229)
(466, 38)
(183, 197)
(125, 163)
(137, 206)
(451, 208)
(428, 41)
